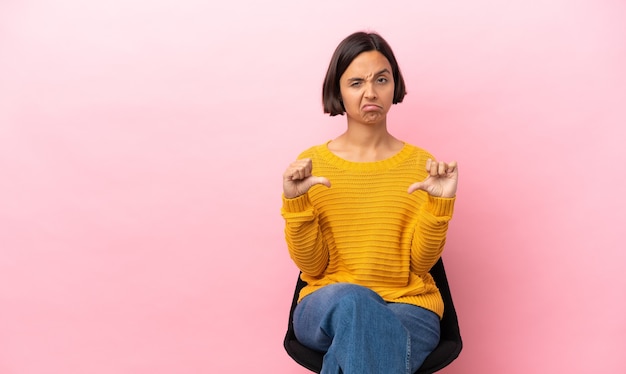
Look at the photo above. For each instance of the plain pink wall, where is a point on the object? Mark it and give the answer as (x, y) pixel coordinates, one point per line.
(142, 145)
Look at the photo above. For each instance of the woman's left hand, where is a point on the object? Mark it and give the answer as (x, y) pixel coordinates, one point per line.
(442, 179)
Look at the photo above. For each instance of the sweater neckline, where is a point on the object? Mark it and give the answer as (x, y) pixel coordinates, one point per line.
(380, 165)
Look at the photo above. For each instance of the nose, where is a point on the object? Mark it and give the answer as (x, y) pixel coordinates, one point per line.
(370, 91)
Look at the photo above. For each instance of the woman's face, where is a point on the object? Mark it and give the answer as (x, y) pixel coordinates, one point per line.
(367, 88)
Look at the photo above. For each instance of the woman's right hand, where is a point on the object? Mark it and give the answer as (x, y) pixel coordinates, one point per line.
(297, 179)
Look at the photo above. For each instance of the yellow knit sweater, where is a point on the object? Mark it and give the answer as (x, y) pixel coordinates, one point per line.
(367, 229)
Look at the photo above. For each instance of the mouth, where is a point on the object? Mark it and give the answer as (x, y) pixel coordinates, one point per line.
(370, 107)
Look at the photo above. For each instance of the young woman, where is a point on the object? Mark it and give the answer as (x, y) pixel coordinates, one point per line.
(366, 217)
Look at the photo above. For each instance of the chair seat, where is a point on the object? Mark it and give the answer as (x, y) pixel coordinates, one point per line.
(448, 349)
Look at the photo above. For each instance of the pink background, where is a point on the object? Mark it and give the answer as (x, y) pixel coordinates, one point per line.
(142, 145)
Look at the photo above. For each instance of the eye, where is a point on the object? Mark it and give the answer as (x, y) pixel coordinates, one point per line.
(382, 80)
(355, 83)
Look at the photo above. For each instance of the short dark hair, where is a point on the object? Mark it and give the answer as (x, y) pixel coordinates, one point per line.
(348, 50)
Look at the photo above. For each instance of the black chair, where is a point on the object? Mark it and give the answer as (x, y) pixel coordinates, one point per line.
(447, 350)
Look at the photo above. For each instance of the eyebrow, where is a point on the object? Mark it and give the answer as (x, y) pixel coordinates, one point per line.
(377, 74)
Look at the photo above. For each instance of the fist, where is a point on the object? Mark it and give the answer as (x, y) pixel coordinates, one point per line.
(297, 179)
(441, 181)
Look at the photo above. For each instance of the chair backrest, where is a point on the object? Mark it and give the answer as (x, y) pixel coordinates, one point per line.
(448, 349)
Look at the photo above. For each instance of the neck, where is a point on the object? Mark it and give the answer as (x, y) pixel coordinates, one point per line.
(365, 143)
(366, 136)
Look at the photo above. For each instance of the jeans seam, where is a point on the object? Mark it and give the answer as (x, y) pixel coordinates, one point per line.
(408, 354)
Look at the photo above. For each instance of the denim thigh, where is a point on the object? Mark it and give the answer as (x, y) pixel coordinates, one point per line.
(423, 326)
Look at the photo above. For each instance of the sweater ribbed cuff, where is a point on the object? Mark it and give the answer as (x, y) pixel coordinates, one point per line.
(297, 204)
(441, 206)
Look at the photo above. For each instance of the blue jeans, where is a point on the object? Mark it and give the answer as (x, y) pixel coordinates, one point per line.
(360, 333)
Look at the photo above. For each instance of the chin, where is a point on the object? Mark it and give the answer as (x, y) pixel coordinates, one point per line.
(372, 118)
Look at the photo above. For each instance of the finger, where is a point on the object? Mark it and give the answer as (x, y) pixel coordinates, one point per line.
(308, 166)
(293, 173)
(288, 174)
(304, 186)
(434, 168)
(319, 180)
(441, 169)
(415, 186)
(301, 169)
(453, 167)
(428, 164)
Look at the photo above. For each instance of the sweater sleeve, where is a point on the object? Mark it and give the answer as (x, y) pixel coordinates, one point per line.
(303, 235)
(430, 233)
